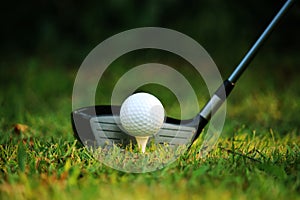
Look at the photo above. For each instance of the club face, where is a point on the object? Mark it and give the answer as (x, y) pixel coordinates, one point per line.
(99, 126)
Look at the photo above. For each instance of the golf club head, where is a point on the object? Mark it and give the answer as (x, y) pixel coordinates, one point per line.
(99, 126)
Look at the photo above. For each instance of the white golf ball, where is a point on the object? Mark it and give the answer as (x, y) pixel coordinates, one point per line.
(142, 115)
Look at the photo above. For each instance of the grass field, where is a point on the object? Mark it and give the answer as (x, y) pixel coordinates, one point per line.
(257, 155)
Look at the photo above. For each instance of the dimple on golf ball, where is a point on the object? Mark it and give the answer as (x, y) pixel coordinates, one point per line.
(142, 115)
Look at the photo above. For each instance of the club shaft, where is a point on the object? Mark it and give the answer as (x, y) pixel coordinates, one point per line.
(252, 52)
(224, 90)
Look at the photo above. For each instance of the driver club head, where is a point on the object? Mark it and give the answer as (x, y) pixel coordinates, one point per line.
(99, 126)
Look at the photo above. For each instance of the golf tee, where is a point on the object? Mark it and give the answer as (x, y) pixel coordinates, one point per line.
(142, 142)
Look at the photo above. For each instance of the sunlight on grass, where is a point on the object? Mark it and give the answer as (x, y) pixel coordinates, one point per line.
(255, 165)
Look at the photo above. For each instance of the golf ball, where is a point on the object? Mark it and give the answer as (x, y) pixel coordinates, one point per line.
(142, 114)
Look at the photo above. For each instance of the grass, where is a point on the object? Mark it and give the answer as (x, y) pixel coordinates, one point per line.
(257, 156)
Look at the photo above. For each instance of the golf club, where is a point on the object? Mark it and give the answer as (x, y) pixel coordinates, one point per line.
(100, 125)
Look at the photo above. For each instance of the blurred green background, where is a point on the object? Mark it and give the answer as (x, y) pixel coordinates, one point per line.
(63, 32)
(44, 42)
